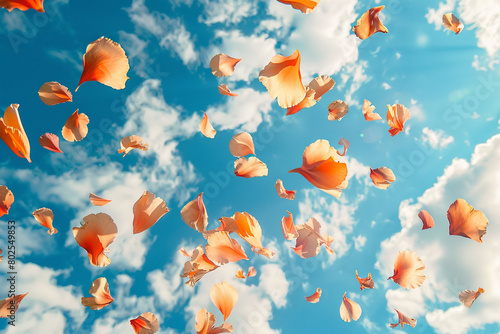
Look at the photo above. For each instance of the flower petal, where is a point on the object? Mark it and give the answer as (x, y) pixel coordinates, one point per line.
(98, 201)
(288, 227)
(130, 143)
(314, 298)
(224, 90)
(349, 310)
(307, 102)
(221, 249)
(369, 23)
(466, 222)
(321, 85)
(382, 177)
(147, 211)
(7, 303)
(337, 110)
(241, 145)
(23, 5)
(194, 214)
(397, 115)
(6, 200)
(404, 320)
(45, 217)
(12, 132)
(282, 192)
(222, 65)
(198, 266)
(224, 296)
(206, 128)
(52, 93)
(451, 22)
(426, 218)
(305, 6)
(250, 168)
(76, 128)
(468, 297)
(368, 111)
(101, 296)
(366, 283)
(408, 270)
(50, 142)
(146, 323)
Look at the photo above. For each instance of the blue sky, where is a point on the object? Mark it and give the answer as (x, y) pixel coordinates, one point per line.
(448, 151)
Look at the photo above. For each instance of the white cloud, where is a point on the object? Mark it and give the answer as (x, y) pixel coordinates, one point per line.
(135, 49)
(437, 139)
(227, 11)
(449, 268)
(386, 86)
(359, 242)
(274, 283)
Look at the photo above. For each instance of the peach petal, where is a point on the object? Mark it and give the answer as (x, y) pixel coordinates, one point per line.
(404, 320)
(206, 128)
(130, 143)
(23, 5)
(7, 302)
(221, 249)
(397, 115)
(467, 297)
(366, 283)
(12, 132)
(408, 270)
(76, 128)
(45, 217)
(101, 296)
(222, 65)
(368, 111)
(288, 227)
(369, 23)
(282, 192)
(305, 6)
(98, 201)
(321, 85)
(282, 79)
(426, 218)
(224, 90)
(307, 102)
(50, 142)
(106, 62)
(314, 298)
(344, 142)
(146, 323)
(252, 167)
(95, 235)
(451, 22)
(52, 93)
(251, 273)
(465, 221)
(224, 296)
(263, 251)
(194, 214)
(310, 239)
(382, 177)
(241, 145)
(198, 266)
(6, 200)
(205, 324)
(147, 211)
(248, 229)
(349, 310)
(337, 110)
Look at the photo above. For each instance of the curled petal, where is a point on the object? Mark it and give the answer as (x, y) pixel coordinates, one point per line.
(50, 142)
(130, 143)
(282, 192)
(6, 200)
(250, 231)
(222, 65)
(468, 297)
(146, 323)
(282, 79)
(206, 128)
(23, 5)
(251, 273)
(337, 110)
(6, 305)
(451, 22)
(147, 211)
(76, 128)
(241, 145)
(205, 324)
(368, 111)
(397, 115)
(224, 296)
(263, 251)
(382, 177)
(288, 227)
(45, 217)
(369, 23)
(321, 85)
(344, 142)
(310, 239)
(12, 132)
(98, 201)
(221, 249)
(95, 235)
(307, 102)
(250, 168)
(426, 218)
(224, 90)
(194, 214)
(349, 310)
(408, 270)
(101, 296)
(366, 283)
(198, 266)
(404, 320)
(52, 93)
(305, 6)
(314, 298)
(466, 222)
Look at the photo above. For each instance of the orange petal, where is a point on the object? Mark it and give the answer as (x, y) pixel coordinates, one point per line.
(105, 62)
(337, 110)
(95, 235)
(222, 65)
(366, 283)
(344, 142)
(382, 177)
(205, 322)
(397, 115)
(468, 297)
(76, 128)
(263, 251)
(451, 22)
(248, 228)
(305, 6)
(241, 145)
(52, 93)
(98, 201)
(146, 323)
(147, 211)
(45, 217)
(198, 266)
(194, 214)
(369, 23)
(221, 249)
(408, 270)
(314, 298)
(101, 296)
(206, 128)
(282, 192)
(12, 132)
(288, 228)
(307, 102)
(282, 79)
(250, 168)
(6, 200)
(426, 218)
(321, 85)
(224, 296)
(50, 142)
(368, 111)
(129, 143)
(404, 320)
(224, 90)
(349, 310)
(22, 5)
(466, 222)
(310, 239)
(251, 273)
(8, 302)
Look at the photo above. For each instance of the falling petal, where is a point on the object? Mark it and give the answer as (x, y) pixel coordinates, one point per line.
(224, 296)
(6, 200)
(76, 128)
(6, 305)
(468, 297)
(250, 168)
(314, 298)
(198, 266)
(146, 323)
(12, 132)
(426, 218)
(307, 102)
(344, 142)
(224, 90)
(288, 227)
(282, 192)
(321, 85)
(205, 324)
(310, 239)
(251, 273)
(408, 270)
(305, 6)
(206, 128)
(23, 5)
(221, 249)
(130, 143)
(337, 110)
(369, 23)
(349, 310)
(98, 201)
(368, 111)
(466, 222)
(147, 211)
(222, 65)
(52, 93)
(45, 217)
(397, 115)
(404, 320)
(241, 145)
(451, 22)
(366, 283)
(194, 214)
(101, 296)
(50, 142)
(382, 177)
